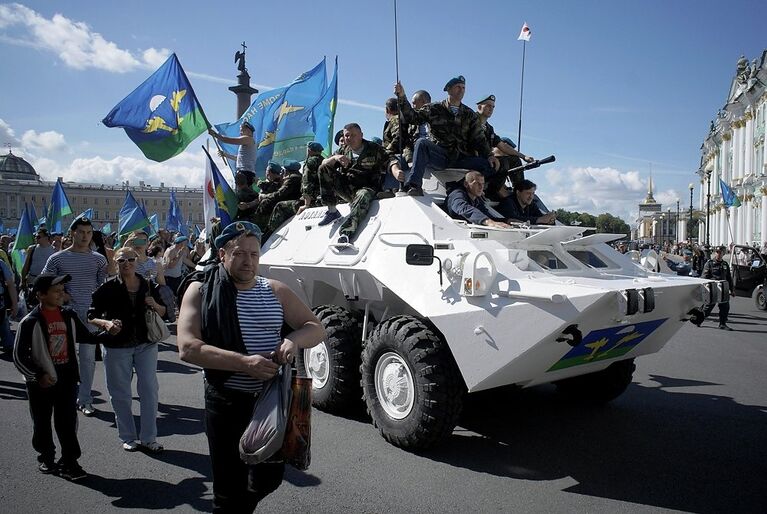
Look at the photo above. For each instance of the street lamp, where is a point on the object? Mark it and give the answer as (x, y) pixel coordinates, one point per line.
(660, 232)
(668, 224)
(689, 228)
(676, 224)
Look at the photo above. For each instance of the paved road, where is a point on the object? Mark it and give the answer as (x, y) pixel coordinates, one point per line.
(689, 435)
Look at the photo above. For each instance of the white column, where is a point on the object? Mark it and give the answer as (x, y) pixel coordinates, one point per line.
(737, 224)
(723, 158)
(763, 221)
(748, 225)
(682, 230)
(724, 233)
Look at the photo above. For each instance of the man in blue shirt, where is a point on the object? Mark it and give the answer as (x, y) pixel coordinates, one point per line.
(466, 202)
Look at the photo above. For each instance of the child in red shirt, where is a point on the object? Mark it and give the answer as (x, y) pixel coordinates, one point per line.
(44, 352)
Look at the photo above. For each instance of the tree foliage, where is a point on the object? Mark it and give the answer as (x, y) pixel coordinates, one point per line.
(603, 223)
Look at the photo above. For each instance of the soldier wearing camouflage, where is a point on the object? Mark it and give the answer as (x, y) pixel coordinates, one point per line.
(290, 189)
(354, 175)
(456, 138)
(271, 183)
(310, 189)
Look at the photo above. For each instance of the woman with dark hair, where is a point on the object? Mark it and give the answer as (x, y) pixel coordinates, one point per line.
(118, 308)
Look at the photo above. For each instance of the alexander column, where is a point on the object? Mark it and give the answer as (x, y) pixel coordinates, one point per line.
(242, 89)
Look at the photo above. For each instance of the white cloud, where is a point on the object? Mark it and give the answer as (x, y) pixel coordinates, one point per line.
(8, 135)
(186, 169)
(74, 42)
(49, 141)
(592, 190)
(155, 58)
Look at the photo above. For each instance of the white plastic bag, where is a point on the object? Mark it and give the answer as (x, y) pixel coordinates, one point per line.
(265, 433)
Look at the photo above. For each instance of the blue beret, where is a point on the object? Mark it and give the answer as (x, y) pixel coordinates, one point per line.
(338, 136)
(508, 142)
(453, 81)
(237, 229)
(376, 140)
(180, 239)
(486, 98)
(82, 220)
(314, 146)
(248, 126)
(274, 167)
(292, 165)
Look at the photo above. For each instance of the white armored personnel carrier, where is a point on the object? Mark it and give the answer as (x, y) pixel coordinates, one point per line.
(424, 308)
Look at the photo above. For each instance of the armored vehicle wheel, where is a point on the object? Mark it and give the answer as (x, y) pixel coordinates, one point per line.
(411, 384)
(334, 364)
(758, 296)
(599, 387)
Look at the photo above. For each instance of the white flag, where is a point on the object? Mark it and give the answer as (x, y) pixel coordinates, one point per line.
(524, 34)
(208, 197)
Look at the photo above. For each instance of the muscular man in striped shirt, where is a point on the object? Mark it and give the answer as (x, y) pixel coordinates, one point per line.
(230, 324)
(88, 270)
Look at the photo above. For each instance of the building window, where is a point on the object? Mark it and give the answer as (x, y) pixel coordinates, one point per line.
(13, 213)
(155, 202)
(106, 215)
(95, 201)
(106, 201)
(2, 213)
(163, 203)
(95, 214)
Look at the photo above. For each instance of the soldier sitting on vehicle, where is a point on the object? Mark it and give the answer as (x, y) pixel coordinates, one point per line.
(503, 148)
(310, 190)
(466, 202)
(247, 199)
(290, 189)
(399, 148)
(354, 175)
(519, 204)
(456, 138)
(273, 179)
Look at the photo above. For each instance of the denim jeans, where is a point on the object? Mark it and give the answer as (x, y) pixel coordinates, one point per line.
(119, 364)
(57, 401)
(237, 487)
(429, 154)
(86, 357)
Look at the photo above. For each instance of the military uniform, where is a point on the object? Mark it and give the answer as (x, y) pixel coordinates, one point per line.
(391, 139)
(310, 187)
(718, 270)
(455, 140)
(267, 186)
(246, 195)
(290, 189)
(357, 184)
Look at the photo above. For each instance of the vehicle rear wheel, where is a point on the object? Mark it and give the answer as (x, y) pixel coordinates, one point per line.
(334, 364)
(758, 296)
(411, 384)
(599, 387)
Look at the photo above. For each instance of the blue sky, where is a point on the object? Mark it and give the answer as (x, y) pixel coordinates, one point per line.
(612, 89)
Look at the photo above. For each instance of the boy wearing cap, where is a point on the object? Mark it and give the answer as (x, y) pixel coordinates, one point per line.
(456, 138)
(88, 270)
(44, 353)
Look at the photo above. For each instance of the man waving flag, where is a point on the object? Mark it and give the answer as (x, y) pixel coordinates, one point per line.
(162, 116)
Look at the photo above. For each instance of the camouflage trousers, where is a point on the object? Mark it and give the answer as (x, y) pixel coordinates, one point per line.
(336, 186)
(285, 210)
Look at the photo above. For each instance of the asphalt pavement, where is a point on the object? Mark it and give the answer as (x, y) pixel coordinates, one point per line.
(688, 435)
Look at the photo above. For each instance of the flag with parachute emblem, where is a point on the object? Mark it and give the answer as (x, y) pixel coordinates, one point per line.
(729, 198)
(282, 119)
(162, 115)
(25, 238)
(525, 34)
(59, 207)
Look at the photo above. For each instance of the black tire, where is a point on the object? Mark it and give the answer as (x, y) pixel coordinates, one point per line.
(438, 389)
(759, 299)
(600, 387)
(341, 390)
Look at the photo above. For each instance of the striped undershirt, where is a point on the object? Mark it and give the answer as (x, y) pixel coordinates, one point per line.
(88, 271)
(260, 315)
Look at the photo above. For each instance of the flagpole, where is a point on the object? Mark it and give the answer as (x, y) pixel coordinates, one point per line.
(521, 91)
(396, 71)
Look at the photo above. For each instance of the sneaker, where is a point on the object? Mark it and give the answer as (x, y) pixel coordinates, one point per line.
(153, 447)
(86, 409)
(330, 217)
(385, 194)
(72, 472)
(130, 446)
(722, 326)
(343, 240)
(46, 468)
(415, 191)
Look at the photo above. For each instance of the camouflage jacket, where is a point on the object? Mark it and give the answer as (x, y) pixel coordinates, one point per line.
(490, 136)
(267, 186)
(310, 179)
(459, 135)
(290, 189)
(391, 139)
(368, 169)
